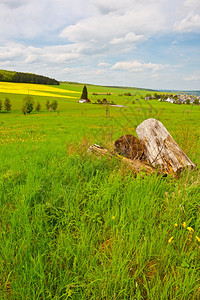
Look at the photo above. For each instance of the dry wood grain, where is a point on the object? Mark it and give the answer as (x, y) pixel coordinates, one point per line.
(160, 148)
(136, 165)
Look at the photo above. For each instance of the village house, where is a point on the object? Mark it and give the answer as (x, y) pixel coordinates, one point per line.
(170, 100)
(84, 101)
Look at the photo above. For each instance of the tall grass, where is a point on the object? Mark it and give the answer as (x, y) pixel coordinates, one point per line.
(77, 226)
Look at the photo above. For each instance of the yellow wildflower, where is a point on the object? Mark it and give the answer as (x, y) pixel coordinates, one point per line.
(184, 224)
(197, 238)
(170, 240)
(176, 225)
(113, 217)
(190, 229)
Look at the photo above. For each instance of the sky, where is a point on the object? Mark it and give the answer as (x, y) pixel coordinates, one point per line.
(140, 43)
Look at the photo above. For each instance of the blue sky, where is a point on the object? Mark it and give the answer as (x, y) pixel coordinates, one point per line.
(142, 43)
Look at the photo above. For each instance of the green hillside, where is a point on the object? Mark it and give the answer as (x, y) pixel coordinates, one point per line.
(74, 225)
(20, 77)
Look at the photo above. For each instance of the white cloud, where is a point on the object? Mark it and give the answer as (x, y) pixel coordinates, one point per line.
(188, 24)
(119, 30)
(134, 21)
(130, 37)
(188, 17)
(46, 55)
(192, 4)
(135, 66)
(13, 3)
(103, 64)
(11, 51)
(27, 19)
(60, 38)
(192, 78)
(106, 7)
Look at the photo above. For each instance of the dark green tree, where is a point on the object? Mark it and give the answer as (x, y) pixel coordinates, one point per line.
(148, 95)
(157, 96)
(7, 104)
(28, 104)
(38, 106)
(84, 93)
(1, 105)
(48, 105)
(187, 101)
(54, 105)
(24, 109)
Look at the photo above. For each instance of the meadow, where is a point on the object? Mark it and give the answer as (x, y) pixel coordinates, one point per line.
(77, 226)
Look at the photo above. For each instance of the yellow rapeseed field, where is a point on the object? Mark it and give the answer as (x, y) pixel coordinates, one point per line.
(34, 89)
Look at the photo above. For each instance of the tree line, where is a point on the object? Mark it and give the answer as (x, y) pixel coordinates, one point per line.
(28, 105)
(20, 77)
(6, 104)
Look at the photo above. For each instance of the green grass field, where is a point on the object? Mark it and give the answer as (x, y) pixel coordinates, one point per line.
(77, 226)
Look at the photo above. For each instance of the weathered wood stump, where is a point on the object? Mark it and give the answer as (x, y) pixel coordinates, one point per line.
(136, 165)
(160, 148)
(129, 146)
(155, 152)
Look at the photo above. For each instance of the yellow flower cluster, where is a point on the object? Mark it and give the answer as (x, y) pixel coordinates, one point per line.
(34, 89)
(198, 239)
(190, 229)
(12, 135)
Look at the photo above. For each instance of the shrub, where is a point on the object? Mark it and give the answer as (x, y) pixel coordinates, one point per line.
(187, 101)
(38, 106)
(28, 104)
(48, 105)
(54, 105)
(7, 104)
(24, 110)
(1, 105)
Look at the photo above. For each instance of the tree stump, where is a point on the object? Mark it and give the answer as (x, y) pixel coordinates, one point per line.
(137, 166)
(129, 146)
(160, 148)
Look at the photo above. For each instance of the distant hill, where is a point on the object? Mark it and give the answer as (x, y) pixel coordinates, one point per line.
(194, 92)
(12, 76)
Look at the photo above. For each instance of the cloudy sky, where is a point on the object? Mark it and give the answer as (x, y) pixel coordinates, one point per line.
(142, 43)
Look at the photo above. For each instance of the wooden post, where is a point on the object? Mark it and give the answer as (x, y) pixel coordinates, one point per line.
(160, 148)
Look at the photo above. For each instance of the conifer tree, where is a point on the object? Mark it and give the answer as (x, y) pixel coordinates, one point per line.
(84, 93)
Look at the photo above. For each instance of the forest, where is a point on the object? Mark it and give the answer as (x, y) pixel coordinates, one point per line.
(20, 77)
